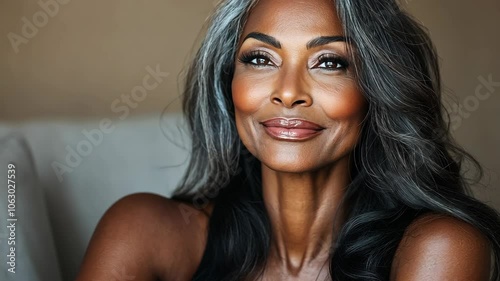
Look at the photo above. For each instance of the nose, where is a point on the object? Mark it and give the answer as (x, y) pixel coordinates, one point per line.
(291, 89)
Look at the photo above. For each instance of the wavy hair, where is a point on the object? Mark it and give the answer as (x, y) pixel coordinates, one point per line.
(405, 164)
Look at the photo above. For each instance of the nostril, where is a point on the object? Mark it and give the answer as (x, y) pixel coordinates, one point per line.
(279, 101)
(300, 102)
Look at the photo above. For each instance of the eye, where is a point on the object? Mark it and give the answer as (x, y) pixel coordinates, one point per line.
(331, 62)
(256, 58)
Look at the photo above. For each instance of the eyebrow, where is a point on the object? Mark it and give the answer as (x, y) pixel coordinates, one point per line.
(316, 42)
(323, 40)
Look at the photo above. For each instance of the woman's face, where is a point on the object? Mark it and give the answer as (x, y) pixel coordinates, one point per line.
(292, 64)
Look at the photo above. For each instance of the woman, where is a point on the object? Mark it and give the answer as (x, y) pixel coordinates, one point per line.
(319, 152)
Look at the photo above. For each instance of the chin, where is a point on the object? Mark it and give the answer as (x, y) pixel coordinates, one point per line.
(289, 166)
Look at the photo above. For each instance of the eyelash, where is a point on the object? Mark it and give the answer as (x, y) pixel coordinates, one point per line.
(248, 58)
(335, 59)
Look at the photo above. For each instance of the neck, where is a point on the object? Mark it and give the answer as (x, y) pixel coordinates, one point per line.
(304, 214)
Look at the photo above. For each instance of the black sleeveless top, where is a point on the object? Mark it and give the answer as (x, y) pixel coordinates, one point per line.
(224, 237)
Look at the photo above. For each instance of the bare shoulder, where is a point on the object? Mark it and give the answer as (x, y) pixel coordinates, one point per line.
(146, 236)
(441, 247)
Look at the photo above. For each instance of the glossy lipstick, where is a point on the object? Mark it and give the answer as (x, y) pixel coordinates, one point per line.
(291, 129)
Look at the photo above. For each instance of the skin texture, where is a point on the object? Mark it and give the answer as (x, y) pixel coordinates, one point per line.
(303, 182)
(138, 239)
(439, 247)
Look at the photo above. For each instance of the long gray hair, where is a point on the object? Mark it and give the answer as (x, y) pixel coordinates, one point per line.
(406, 162)
(208, 106)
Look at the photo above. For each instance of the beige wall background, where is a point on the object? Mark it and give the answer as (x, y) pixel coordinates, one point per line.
(92, 52)
(87, 54)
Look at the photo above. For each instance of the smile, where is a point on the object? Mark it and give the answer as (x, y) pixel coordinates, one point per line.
(291, 129)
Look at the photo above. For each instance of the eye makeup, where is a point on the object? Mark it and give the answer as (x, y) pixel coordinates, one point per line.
(331, 62)
(257, 58)
(326, 61)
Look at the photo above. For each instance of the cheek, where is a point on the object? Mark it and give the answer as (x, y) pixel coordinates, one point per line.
(347, 102)
(247, 95)
(247, 99)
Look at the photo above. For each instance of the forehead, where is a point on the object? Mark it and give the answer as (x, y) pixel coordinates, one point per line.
(315, 17)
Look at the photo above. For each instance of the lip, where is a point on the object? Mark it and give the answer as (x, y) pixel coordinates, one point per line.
(292, 129)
